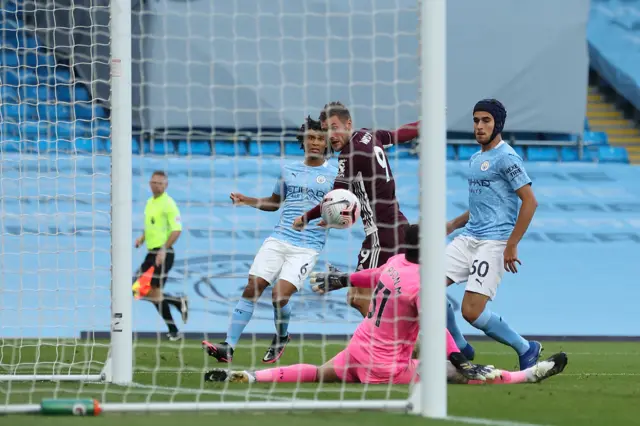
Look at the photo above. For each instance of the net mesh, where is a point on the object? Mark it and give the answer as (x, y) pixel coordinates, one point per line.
(218, 88)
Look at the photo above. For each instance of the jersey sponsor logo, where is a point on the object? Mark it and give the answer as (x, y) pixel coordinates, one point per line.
(513, 171)
(480, 182)
(366, 138)
(321, 179)
(298, 192)
(342, 165)
(484, 166)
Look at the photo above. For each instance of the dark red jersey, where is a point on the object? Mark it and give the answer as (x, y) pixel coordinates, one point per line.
(363, 168)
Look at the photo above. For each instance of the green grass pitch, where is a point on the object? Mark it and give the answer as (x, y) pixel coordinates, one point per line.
(601, 386)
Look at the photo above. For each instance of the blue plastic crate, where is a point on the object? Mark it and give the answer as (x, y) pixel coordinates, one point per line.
(466, 151)
(542, 153)
(264, 148)
(612, 154)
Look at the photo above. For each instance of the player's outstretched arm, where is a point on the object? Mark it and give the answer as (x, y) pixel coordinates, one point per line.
(403, 134)
(268, 204)
(324, 282)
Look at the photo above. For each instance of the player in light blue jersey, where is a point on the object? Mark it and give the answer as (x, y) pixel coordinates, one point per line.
(493, 227)
(287, 257)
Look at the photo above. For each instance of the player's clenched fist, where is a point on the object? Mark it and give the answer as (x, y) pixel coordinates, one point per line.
(238, 199)
(298, 223)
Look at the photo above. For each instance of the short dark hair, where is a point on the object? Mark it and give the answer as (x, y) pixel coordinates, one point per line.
(309, 124)
(159, 173)
(335, 109)
(412, 243)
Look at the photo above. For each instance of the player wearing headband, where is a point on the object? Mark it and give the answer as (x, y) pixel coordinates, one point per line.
(493, 227)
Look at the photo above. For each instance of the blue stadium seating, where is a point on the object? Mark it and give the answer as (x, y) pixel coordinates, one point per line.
(41, 102)
(611, 154)
(542, 153)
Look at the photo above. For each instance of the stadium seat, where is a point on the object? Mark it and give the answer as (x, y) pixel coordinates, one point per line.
(466, 151)
(520, 151)
(8, 94)
(9, 145)
(9, 58)
(542, 153)
(163, 147)
(195, 148)
(264, 148)
(586, 124)
(230, 147)
(595, 138)
(84, 145)
(569, 153)
(292, 149)
(135, 146)
(612, 154)
(451, 152)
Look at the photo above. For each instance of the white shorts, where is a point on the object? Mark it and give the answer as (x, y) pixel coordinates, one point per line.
(277, 260)
(478, 262)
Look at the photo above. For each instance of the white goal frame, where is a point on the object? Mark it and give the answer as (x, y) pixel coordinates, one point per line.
(429, 398)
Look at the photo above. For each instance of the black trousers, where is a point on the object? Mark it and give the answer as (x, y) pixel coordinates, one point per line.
(162, 272)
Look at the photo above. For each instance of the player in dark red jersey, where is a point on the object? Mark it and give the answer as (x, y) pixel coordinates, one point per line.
(363, 169)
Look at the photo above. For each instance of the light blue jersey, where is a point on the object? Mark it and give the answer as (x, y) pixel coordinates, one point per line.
(301, 188)
(494, 176)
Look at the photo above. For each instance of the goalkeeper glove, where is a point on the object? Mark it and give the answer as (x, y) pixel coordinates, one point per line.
(325, 282)
(472, 371)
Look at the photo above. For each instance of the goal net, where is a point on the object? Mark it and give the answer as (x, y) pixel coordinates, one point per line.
(217, 91)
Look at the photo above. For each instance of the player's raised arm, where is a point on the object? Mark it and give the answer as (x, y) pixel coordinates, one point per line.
(403, 134)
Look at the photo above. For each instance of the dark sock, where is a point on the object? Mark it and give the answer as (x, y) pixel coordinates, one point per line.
(165, 312)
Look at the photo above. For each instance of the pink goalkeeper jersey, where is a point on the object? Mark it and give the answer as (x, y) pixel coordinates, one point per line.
(388, 334)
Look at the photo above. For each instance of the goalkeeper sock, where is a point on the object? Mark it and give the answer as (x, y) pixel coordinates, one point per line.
(298, 373)
(507, 378)
(452, 326)
(239, 319)
(165, 312)
(281, 318)
(495, 327)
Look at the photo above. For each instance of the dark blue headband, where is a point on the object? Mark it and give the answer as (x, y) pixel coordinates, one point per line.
(497, 111)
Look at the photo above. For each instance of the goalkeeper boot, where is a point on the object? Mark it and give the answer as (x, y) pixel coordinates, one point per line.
(220, 351)
(529, 358)
(553, 365)
(275, 351)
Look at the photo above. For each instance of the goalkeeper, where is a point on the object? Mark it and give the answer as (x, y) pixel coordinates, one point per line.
(381, 347)
(162, 228)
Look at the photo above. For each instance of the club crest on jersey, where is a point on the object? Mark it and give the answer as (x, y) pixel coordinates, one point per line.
(484, 166)
(321, 179)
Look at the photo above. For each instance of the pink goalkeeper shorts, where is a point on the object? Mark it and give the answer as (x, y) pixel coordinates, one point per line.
(350, 369)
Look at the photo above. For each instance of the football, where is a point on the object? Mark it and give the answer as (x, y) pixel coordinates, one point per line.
(340, 209)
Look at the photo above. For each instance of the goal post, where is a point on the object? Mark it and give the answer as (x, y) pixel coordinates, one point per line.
(116, 348)
(121, 353)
